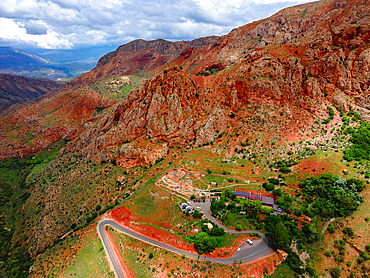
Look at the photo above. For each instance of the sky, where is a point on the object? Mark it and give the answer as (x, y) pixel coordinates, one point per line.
(74, 24)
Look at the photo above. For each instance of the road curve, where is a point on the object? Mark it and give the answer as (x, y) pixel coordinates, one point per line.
(261, 247)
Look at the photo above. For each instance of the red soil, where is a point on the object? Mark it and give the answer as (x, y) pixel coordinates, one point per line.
(123, 216)
(259, 267)
(313, 167)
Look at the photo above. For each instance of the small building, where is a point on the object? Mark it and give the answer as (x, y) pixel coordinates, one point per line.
(187, 183)
(175, 174)
(267, 201)
(255, 197)
(213, 183)
(171, 174)
(242, 194)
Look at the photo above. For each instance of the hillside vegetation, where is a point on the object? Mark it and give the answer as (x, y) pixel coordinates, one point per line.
(277, 107)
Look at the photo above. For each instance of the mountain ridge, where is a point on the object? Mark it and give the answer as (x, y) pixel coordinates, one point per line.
(17, 89)
(252, 94)
(289, 65)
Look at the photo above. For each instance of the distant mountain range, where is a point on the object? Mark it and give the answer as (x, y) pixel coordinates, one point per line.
(62, 65)
(16, 89)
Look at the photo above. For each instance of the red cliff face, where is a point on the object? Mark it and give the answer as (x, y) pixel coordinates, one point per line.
(138, 55)
(276, 76)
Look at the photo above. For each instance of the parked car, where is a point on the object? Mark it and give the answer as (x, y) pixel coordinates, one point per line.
(250, 242)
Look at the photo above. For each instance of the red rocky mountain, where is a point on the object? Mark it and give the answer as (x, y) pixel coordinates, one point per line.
(276, 76)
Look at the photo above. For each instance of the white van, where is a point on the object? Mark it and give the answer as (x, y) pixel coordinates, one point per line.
(250, 242)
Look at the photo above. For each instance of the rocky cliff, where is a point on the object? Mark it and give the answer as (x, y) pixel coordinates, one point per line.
(270, 80)
(277, 76)
(139, 55)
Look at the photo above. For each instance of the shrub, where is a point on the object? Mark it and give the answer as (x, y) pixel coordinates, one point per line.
(277, 192)
(367, 248)
(328, 253)
(331, 228)
(197, 214)
(335, 272)
(364, 255)
(151, 255)
(238, 227)
(268, 186)
(98, 207)
(348, 231)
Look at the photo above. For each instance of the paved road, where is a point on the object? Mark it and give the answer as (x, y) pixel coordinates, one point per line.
(261, 247)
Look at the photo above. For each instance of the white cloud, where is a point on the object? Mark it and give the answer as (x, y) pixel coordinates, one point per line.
(72, 23)
(12, 32)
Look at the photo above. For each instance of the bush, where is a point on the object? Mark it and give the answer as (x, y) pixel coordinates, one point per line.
(367, 248)
(151, 255)
(216, 231)
(274, 181)
(331, 228)
(335, 272)
(349, 231)
(268, 186)
(238, 227)
(364, 255)
(197, 214)
(98, 207)
(328, 253)
(277, 192)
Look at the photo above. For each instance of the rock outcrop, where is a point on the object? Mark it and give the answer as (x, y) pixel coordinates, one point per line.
(130, 156)
(277, 76)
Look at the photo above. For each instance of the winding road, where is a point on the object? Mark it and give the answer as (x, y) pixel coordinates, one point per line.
(261, 247)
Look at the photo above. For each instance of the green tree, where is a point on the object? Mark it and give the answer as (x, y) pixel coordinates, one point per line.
(279, 236)
(204, 243)
(256, 205)
(227, 192)
(277, 192)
